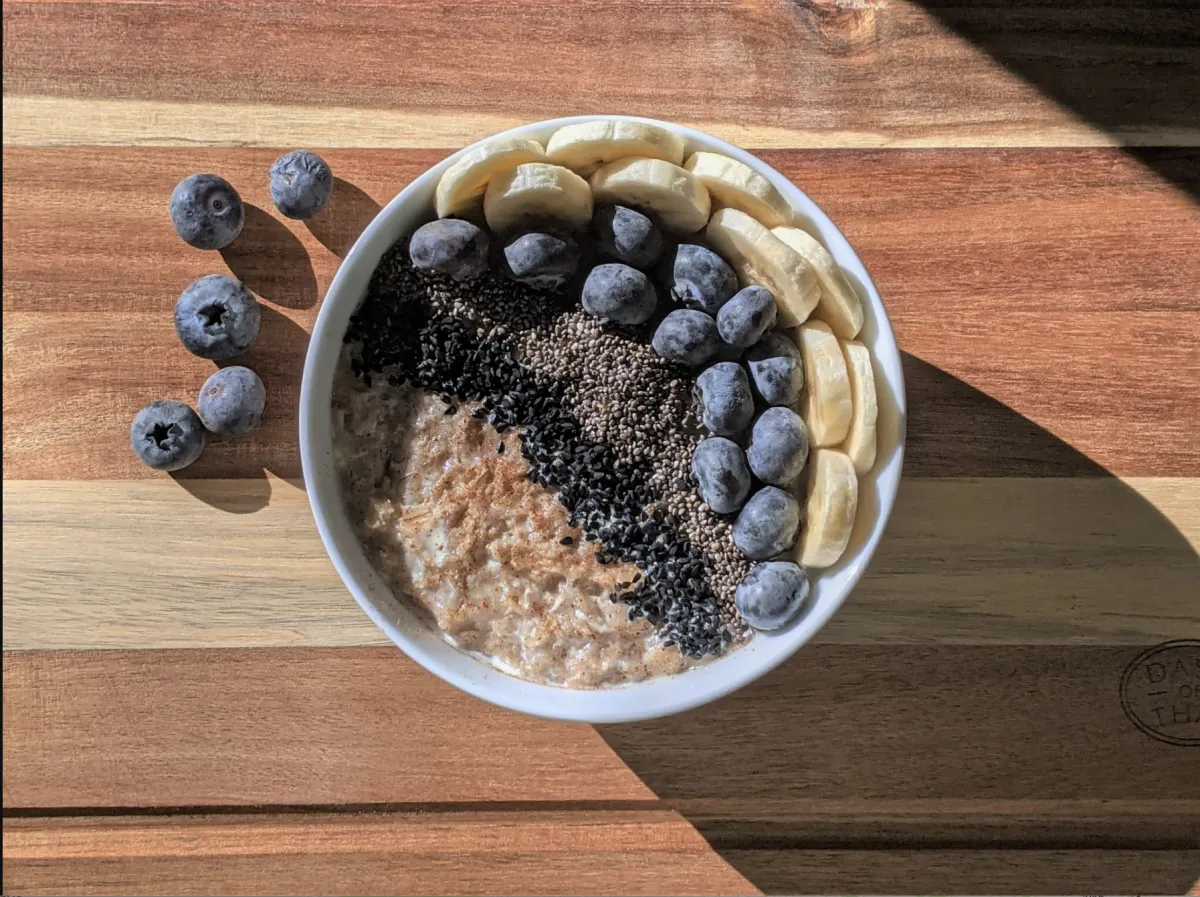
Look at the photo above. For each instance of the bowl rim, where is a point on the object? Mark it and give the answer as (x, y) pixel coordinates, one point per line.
(528, 697)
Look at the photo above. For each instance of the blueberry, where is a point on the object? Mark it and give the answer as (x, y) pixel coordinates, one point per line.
(450, 246)
(771, 594)
(167, 435)
(301, 184)
(620, 294)
(206, 211)
(776, 369)
(687, 337)
(216, 317)
(701, 279)
(542, 261)
(719, 466)
(726, 403)
(627, 235)
(768, 524)
(231, 402)
(778, 446)
(747, 316)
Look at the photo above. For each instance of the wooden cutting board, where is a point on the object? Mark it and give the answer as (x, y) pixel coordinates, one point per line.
(194, 704)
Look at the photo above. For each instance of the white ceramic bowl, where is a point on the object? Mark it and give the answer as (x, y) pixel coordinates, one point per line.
(640, 700)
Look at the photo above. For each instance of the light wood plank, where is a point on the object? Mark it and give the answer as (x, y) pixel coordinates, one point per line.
(887, 725)
(998, 561)
(770, 73)
(614, 852)
(40, 121)
(996, 393)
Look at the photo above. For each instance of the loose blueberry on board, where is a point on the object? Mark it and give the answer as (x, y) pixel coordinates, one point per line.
(167, 435)
(726, 405)
(771, 594)
(701, 279)
(206, 211)
(627, 235)
(542, 261)
(301, 184)
(619, 293)
(776, 369)
(450, 246)
(778, 446)
(768, 524)
(231, 402)
(744, 319)
(686, 337)
(723, 478)
(217, 318)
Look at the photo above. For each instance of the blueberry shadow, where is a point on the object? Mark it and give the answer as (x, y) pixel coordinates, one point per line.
(1131, 70)
(793, 775)
(242, 496)
(272, 261)
(346, 216)
(277, 356)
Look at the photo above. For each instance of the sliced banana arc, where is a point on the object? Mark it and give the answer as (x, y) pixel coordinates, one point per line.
(535, 191)
(826, 406)
(860, 441)
(586, 146)
(738, 186)
(830, 510)
(761, 257)
(839, 306)
(679, 201)
(463, 183)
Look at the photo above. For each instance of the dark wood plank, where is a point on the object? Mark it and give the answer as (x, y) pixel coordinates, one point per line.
(968, 871)
(278, 726)
(965, 267)
(360, 726)
(471, 852)
(868, 73)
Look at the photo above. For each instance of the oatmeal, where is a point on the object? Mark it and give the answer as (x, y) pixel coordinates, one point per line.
(449, 518)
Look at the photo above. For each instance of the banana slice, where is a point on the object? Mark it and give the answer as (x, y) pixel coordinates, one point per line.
(537, 190)
(762, 258)
(860, 441)
(585, 147)
(737, 185)
(826, 406)
(829, 513)
(839, 306)
(662, 188)
(461, 187)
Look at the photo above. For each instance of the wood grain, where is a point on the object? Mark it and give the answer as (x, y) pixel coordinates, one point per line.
(364, 726)
(963, 264)
(181, 728)
(968, 871)
(478, 852)
(994, 561)
(764, 72)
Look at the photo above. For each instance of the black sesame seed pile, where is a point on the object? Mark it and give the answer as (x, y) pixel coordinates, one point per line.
(462, 342)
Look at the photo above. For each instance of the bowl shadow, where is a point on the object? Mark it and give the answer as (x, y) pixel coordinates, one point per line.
(896, 702)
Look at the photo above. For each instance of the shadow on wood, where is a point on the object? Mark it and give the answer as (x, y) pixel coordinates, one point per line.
(272, 261)
(950, 723)
(277, 356)
(1132, 71)
(346, 216)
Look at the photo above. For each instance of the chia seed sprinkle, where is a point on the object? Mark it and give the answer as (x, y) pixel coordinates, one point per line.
(604, 423)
